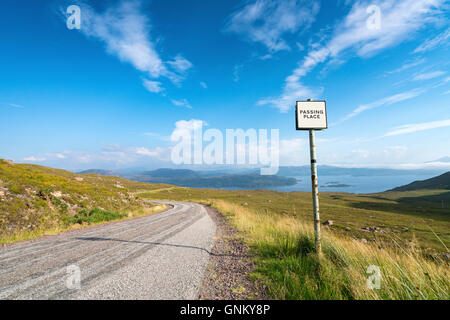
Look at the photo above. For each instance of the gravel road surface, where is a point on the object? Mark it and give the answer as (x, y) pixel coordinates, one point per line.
(161, 256)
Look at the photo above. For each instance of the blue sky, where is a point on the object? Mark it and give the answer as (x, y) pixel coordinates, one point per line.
(111, 94)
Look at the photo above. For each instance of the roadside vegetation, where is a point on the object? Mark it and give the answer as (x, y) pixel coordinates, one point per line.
(37, 201)
(407, 243)
(406, 234)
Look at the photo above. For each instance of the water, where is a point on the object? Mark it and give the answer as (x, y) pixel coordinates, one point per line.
(348, 183)
(354, 184)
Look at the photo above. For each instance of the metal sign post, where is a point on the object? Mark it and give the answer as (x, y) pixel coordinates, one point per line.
(315, 189)
(312, 115)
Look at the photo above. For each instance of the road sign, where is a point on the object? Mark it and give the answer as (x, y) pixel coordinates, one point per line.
(311, 115)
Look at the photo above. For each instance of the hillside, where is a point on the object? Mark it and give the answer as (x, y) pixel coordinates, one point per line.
(441, 182)
(325, 170)
(401, 233)
(171, 173)
(226, 181)
(373, 217)
(443, 159)
(36, 199)
(251, 179)
(404, 232)
(100, 172)
(199, 179)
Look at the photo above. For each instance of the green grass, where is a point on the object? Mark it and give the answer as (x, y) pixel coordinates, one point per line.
(95, 216)
(37, 200)
(403, 217)
(278, 228)
(289, 266)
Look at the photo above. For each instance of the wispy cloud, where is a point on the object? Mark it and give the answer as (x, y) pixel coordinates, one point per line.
(434, 42)
(184, 128)
(410, 128)
(125, 30)
(384, 102)
(407, 66)
(203, 85)
(428, 75)
(265, 21)
(152, 134)
(293, 91)
(18, 106)
(34, 159)
(157, 153)
(153, 86)
(400, 19)
(116, 155)
(182, 103)
(180, 64)
(236, 72)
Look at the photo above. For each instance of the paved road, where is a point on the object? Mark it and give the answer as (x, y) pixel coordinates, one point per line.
(162, 256)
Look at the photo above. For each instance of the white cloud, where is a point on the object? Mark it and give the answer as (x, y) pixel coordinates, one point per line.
(180, 64)
(157, 153)
(384, 102)
(410, 128)
(434, 42)
(151, 134)
(293, 91)
(360, 154)
(400, 19)
(265, 21)
(182, 103)
(398, 166)
(300, 47)
(203, 85)
(152, 86)
(34, 159)
(186, 127)
(428, 75)
(18, 106)
(407, 66)
(236, 70)
(395, 152)
(115, 155)
(294, 151)
(125, 30)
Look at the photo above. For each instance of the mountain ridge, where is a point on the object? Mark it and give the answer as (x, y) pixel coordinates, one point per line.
(441, 182)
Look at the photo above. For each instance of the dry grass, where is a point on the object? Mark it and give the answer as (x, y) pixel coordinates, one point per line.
(289, 266)
(41, 232)
(37, 201)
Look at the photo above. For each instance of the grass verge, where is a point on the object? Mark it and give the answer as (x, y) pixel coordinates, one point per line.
(81, 220)
(287, 264)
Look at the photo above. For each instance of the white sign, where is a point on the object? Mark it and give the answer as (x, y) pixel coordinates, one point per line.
(311, 115)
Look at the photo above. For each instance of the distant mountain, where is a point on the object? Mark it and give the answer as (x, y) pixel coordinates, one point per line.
(171, 173)
(100, 172)
(246, 181)
(441, 182)
(356, 172)
(200, 179)
(443, 159)
(248, 178)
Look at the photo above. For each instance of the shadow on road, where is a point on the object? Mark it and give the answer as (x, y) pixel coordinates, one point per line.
(159, 244)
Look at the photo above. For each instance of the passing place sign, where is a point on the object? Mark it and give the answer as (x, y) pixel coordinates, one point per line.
(311, 115)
